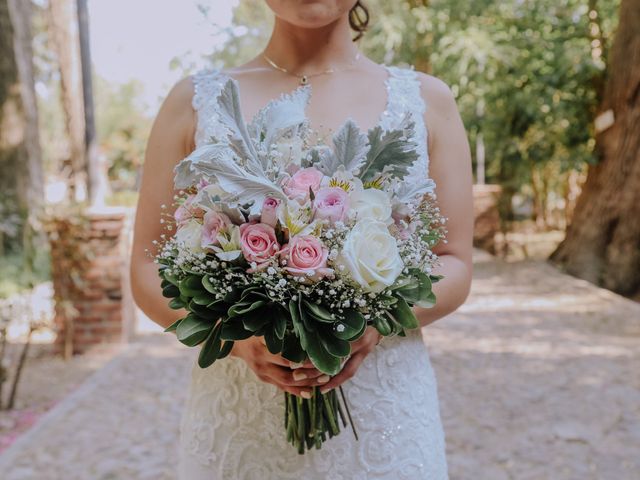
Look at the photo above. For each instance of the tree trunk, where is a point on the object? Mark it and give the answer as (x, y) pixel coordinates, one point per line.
(602, 244)
(21, 179)
(64, 36)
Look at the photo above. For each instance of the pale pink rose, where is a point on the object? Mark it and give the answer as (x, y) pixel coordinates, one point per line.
(300, 182)
(258, 242)
(213, 223)
(270, 211)
(306, 256)
(331, 203)
(187, 211)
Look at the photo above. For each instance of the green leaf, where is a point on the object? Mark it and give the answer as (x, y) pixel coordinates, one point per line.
(233, 329)
(208, 286)
(403, 314)
(204, 298)
(320, 357)
(334, 346)
(173, 326)
(225, 350)
(292, 350)
(280, 322)
(274, 344)
(255, 320)
(241, 309)
(193, 330)
(170, 291)
(211, 348)
(351, 326)
(382, 325)
(318, 312)
(190, 286)
(176, 304)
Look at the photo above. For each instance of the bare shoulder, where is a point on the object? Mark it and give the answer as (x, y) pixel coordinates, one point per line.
(437, 95)
(176, 119)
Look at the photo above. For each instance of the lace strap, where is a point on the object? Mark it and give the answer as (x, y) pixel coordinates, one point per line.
(405, 95)
(207, 84)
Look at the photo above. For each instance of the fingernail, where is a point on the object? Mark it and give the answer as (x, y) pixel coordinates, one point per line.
(297, 376)
(323, 379)
(294, 365)
(325, 390)
(305, 394)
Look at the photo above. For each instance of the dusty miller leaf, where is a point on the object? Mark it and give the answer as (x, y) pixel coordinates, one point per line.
(392, 151)
(350, 146)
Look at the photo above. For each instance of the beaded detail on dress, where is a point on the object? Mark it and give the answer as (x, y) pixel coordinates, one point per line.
(232, 425)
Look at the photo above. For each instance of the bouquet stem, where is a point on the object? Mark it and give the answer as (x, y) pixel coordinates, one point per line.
(308, 422)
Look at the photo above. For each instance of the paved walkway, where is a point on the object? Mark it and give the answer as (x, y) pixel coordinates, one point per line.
(538, 375)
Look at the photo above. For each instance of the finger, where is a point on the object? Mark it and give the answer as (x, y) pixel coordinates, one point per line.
(306, 364)
(299, 391)
(299, 377)
(348, 371)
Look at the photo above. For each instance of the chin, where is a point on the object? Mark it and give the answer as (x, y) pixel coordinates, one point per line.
(310, 13)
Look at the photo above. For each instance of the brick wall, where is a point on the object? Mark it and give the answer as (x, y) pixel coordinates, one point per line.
(101, 313)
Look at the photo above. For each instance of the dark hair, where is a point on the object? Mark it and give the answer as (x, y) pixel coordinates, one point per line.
(359, 19)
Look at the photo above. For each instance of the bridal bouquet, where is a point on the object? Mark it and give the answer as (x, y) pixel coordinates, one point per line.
(304, 245)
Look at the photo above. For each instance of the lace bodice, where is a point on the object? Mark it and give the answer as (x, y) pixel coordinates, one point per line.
(403, 95)
(232, 427)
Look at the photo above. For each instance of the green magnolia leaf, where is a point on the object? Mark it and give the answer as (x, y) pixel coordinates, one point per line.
(204, 298)
(298, 326)
(403, 314)
(321, 358)
(233, 329)
(173, 326)
(382, 325)
(190, 286)
(292, 350)
(211, 348)
(208, 286)
(170, 291)
(193, 330)
(427, 301)
(318, 312)
(351, 326)
(225, 350)
(201, 310)
(254, 321)
(176, 304)
(335, 346)
(390, 151)
(241, 309)
(280, 322)
(274, 344)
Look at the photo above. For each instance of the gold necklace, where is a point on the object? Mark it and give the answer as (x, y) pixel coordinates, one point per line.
(304, 79)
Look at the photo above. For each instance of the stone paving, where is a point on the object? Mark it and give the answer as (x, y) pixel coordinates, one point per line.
(539, 378)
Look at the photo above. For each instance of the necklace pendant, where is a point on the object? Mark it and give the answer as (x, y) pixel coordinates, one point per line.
(304, 80)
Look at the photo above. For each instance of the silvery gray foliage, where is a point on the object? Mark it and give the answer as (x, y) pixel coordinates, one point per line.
(410, 192)
(349, 150)
(198, 165)
(239, 139)
(232, 178)
(281, 118)
(390, 151)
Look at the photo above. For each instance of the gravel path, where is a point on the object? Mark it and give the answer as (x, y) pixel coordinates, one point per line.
(539, 377)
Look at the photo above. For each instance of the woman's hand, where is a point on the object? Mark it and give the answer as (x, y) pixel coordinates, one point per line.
(359, 350)
(296, 379)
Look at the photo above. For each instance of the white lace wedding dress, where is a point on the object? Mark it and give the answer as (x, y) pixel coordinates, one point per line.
(233, 424)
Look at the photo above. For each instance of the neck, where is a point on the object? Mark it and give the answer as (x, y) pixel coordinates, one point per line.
(301, 50)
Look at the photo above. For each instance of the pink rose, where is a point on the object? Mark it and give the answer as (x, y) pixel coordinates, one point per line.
(269, 211)
(187, 211)
(213, 223)
(300, 182)
(305, 255)
(331, 203)
(258, 242)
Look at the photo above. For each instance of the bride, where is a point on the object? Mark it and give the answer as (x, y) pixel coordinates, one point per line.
(231, 427)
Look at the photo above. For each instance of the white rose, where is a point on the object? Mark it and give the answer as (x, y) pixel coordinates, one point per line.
(370, 255)
(190, 234)
(371, 203)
